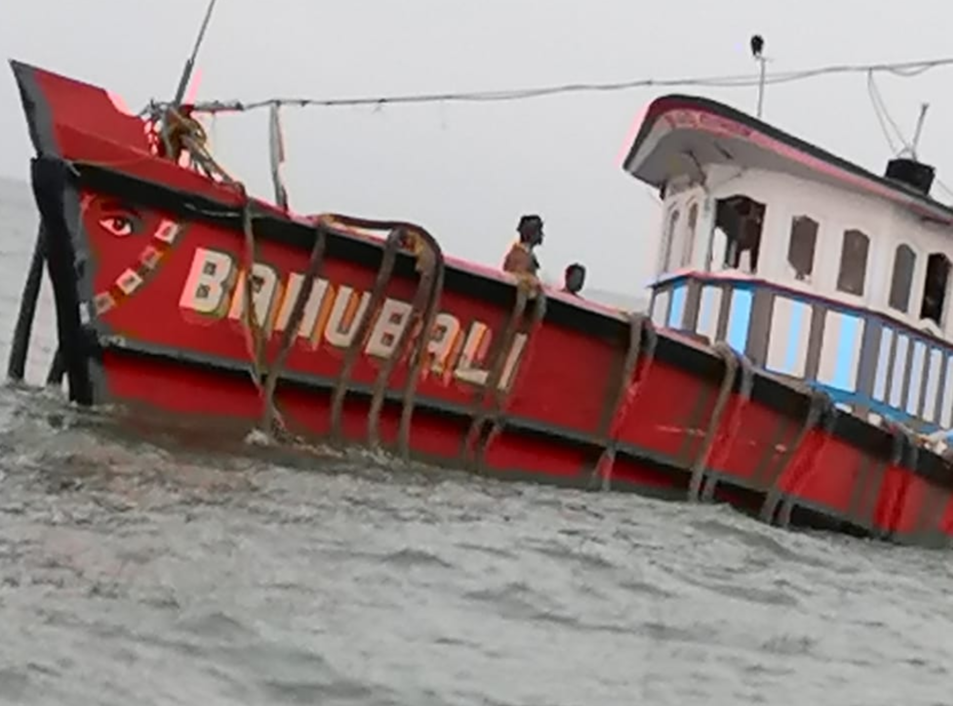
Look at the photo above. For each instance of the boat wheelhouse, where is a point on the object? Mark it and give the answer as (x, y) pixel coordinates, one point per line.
(815, 268)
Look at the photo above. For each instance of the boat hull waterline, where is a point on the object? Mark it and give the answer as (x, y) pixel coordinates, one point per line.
(394, 345)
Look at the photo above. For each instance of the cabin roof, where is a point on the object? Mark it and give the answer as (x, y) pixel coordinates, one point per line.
(675, 126)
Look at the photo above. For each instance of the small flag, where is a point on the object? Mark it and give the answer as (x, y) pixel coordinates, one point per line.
(276, 145)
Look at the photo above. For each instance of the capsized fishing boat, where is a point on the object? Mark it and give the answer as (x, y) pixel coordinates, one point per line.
(789, 370)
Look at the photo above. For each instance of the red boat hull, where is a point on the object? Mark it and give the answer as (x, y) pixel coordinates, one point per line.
(542, 387)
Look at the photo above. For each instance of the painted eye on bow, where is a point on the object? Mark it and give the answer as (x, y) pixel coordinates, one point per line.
(118, 225)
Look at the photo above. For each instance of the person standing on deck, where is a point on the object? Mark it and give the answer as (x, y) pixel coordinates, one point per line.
(520, 260)
(574, 278)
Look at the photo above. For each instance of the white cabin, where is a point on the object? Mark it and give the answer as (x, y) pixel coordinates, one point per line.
(812, 266)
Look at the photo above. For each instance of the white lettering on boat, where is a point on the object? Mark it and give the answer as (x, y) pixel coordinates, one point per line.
(215, 290)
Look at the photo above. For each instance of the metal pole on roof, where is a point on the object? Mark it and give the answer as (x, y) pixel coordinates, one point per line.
(761, 86)
(919, 129)
(757, 49)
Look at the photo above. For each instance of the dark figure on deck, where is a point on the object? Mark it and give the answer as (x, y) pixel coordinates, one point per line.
(741, 220)
(574, 279)
(521, 260)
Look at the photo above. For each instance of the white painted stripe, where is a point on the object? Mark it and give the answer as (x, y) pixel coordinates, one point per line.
(899, 369)
(933, 384)
(660, 309)
(883, 364)
(709, 306)
(946, 411)
(917, 361)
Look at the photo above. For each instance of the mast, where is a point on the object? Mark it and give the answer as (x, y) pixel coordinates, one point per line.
(190, 62)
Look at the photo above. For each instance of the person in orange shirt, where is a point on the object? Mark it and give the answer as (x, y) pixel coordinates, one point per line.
(520, 260)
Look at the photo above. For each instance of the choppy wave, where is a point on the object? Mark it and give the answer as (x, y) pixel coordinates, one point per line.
(143, 568)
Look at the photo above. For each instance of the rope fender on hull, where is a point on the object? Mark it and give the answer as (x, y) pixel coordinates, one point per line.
(642, 338)
(388, 256)
(821, 412)
(266, 376)
(430, 264)
(403, 237)
(479, 436)
(701, 486)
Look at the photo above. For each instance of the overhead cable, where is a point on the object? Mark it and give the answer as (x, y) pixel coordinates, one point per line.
(904, 69)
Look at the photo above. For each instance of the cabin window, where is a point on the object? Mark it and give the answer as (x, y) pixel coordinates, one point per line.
(901, 282)
(853, 262)
(669, 240)
(934, 288)
(690, 235)
(801, 247)
(740, 221)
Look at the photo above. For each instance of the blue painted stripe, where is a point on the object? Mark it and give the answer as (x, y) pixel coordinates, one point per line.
(739, 319)
(795, 331)
(845, 370)
(676, 311)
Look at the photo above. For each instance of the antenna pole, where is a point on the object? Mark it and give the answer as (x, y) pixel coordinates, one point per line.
(190, 62)
(762, 61)
(757, 51)
(916, 134)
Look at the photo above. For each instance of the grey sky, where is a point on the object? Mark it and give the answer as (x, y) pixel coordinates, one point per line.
(468, 171)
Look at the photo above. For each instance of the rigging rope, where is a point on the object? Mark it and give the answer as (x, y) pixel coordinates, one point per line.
(905, 69)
